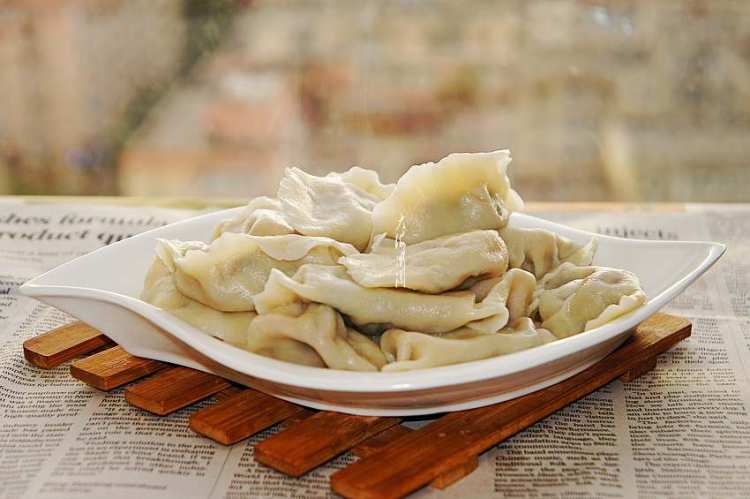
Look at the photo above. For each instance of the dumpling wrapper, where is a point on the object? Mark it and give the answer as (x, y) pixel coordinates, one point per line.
(539, 251)
(284, 349)
(160, 290)
(331, 285)
(367, 180)
(331, 206)
(574, 299)
(513, 291)
(411, 350)
(431, 266)
(460, 193)
(226, 274)
(319, 328)
(261, 217)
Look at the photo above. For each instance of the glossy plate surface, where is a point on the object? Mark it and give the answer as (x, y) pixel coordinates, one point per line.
(102, 289)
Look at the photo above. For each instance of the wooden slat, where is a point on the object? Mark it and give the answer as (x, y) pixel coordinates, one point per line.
(452, 476)
(384, 438)
(240, 416)
(416, 459)
(296, 418)
(113, 367)
(173, 389)
(377, 442)
(316, 440)
(228, 392)
(381, 440)
(62, 344)
(639, 370)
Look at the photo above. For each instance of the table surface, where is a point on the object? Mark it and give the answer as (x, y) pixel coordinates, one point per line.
(703, 340)
(198, 203)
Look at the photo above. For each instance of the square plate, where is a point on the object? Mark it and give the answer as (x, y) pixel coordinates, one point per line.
(102, 289)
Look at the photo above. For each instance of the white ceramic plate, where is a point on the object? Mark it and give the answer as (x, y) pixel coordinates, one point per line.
(102, 289)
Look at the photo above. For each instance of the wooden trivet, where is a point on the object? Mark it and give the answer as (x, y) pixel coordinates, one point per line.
(437, 454)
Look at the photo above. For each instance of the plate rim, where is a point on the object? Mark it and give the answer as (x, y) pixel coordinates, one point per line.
(333, 380)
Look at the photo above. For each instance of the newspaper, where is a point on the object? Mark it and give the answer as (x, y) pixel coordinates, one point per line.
(682, 430)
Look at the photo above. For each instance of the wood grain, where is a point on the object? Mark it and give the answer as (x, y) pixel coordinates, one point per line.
(228, 392)
(174, 388)
(455, 474)
(317, 439)
(380, 440)
(240, 416)
(112, 368)
(639, 370)
(62, 344)
(418, 458)
(296, 418)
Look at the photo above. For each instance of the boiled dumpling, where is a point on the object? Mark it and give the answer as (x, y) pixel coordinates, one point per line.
(264, 216)
(261, 217)
(540, 251)
(513, 292)
(329, 206)
(401, 308)
(320, 328)
(227, 273)
(431, 266)
(160, 290)
(411, 350)
(573, 299)
(367, 180)
(280, 348)
(461, 192)
(430, 262)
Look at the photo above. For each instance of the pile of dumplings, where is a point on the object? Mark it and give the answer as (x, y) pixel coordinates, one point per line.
(346, 272)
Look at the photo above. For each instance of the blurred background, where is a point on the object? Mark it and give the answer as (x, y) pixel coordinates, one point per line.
(635, 100)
